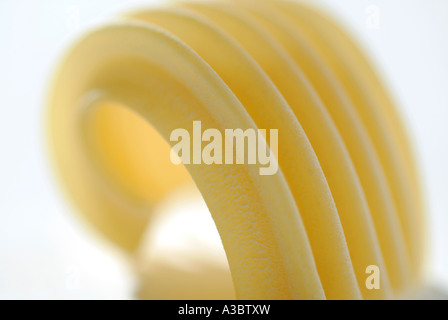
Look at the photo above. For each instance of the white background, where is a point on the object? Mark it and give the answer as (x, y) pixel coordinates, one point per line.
(45, 252)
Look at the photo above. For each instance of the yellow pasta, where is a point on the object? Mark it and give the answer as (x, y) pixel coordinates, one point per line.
(345, 197)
